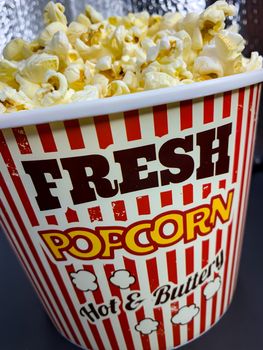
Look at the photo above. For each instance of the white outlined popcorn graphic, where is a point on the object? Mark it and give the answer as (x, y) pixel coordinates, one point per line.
(212, 288)
(185, 314)
(147, 326)
(84, 280)
(122, 279)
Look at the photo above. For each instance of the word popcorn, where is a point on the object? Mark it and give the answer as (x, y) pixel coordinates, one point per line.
(93, 57)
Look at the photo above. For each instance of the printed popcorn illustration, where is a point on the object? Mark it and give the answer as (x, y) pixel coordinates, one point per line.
(84, 280)
(212, 288)
(122, 279)
(147, 326)
(185, 314)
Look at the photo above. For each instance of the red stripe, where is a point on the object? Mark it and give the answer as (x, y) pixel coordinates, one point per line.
(143, 205)
(119, 210)
(103, 129)
(71, 215)
(80, 295)
(189, 261)
(124, 323)
(206, 190)
(46, 138)
(186, 114)
(51, 220)
(241, 97)
(214, 301)
(222, 184)
(172, 266)
(153, 276)
(68, 300)
(188, 195)
(20, 244)
(208, 109)
(132, 124)
(15, 242)
(243, 188)
(218, 240)
(22, 141)
(166, 198)
(160, 119)
(173, 277)
(74, 134)
(106, 322)
(95, 214)
(7, 157)
(205, 261)
(130, 265)
(227, 104)
(229, 237)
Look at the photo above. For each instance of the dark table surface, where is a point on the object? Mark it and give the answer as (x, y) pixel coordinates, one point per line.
(25, 326)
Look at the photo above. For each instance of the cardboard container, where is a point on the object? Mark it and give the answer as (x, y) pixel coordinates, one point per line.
(128, 213)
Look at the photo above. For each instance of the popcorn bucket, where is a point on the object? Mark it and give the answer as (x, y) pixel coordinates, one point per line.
(128, 213)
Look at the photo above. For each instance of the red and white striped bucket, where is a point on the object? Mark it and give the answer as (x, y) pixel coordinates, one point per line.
(129, 224)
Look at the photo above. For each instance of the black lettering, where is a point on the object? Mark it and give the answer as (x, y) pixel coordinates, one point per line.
(113, 306)
(37, 170)
(162, 294)
(82, 191)
(220, 260)
(133, 301)
(103, 310)
(90, 312)
(131, 170)
(170, 159)
(203, 276)
(205, 140)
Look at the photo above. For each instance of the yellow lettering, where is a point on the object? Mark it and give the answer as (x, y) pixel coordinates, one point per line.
(56, 243)
(132, 239)
(94, 244)
(163, 239)
(112, 240)
(221, 209)
(197, 223)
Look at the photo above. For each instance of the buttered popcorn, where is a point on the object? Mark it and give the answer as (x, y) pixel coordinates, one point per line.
(93, 57)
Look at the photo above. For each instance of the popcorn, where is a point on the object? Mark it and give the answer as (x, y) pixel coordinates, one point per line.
(104, 63)
(12, 100)
(47, 34)
(212, 20)
(156, 80)
(89, 92)
(17, 50)
(93, 57)
(117, 87)
(53, 89)
(75, 30)
(59, 44)
(27, 86)
(101, 82)
(93, 15)
(54, 13)
(7, 72)
(37, 65)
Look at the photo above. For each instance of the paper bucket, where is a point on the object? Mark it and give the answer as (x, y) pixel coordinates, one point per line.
(128, 217)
